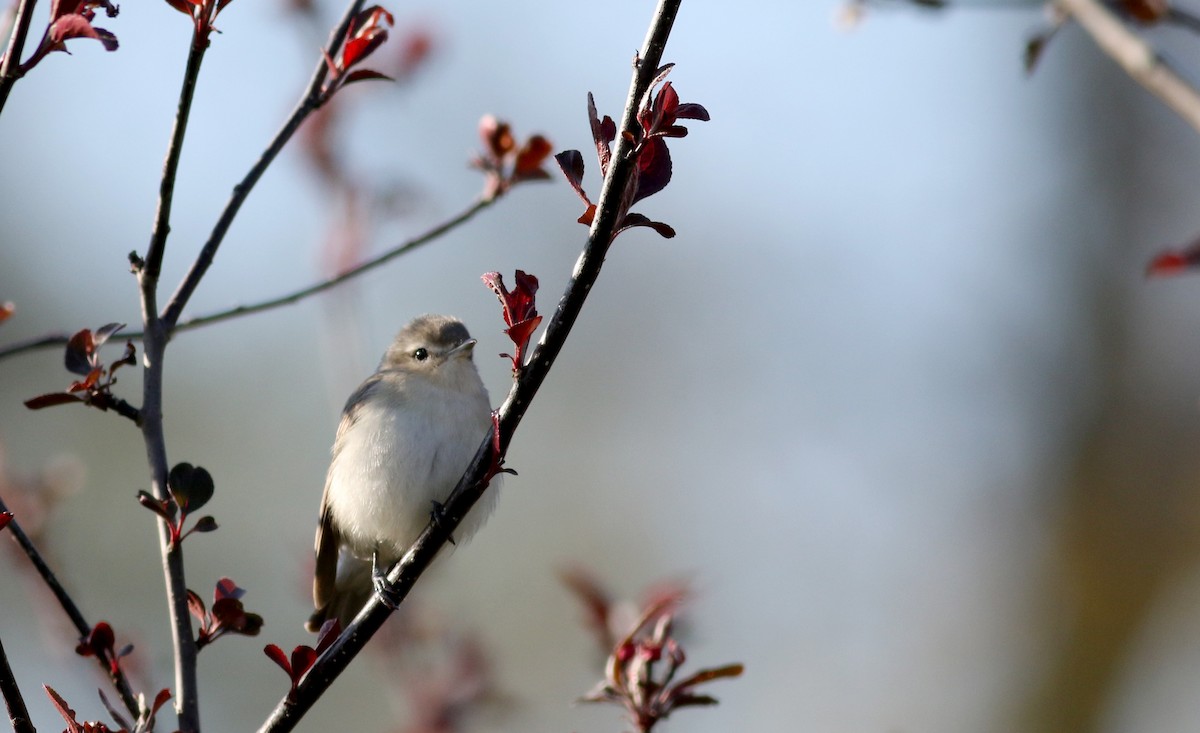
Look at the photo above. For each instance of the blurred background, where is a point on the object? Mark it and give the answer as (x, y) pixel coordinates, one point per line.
(897, 403)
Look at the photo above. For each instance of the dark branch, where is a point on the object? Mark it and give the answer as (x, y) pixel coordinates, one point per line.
(472, 485)
(10, 70)
(18, 715)
(478, 205)
(68, 605)
(309, 103)
(320, 287)
(166, 188)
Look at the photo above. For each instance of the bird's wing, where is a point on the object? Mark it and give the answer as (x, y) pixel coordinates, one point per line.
(329, 539)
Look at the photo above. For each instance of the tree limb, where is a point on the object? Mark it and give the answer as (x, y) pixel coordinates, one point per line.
(10, 70)
(120, 683)
(18, 715)
(1135, 56)
(308, 104)
(471, 486)
(49, 340)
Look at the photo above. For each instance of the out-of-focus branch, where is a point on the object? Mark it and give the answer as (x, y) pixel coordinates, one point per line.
(120, 683)
(610, 209)
(18, 715)
(309, 103)
(1135, 56)
(319, 287)
(10, 70)
(51, 340)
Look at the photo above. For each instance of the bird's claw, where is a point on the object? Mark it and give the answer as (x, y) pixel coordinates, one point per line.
(436, 514)
(384, 591)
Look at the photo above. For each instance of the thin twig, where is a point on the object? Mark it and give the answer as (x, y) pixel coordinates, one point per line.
(10, 70)
(120, 683)
(1135, 56)
(18, 715)
(166, 188)
(471, 486)
(187, 695)
(60, 339)
(309, 103)
(319, 287)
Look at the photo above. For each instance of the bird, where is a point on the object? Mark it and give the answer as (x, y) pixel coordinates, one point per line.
(406, 436)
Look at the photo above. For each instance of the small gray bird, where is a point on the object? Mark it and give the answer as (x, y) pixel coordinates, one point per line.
(407, 435)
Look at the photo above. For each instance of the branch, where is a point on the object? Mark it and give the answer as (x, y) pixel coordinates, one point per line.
(10, 70)
(295, 296)
(308, 104)
(60, 339)
(18, 715)
(154, 340)
(68, 605)
(473, 483)
(1135, 56)
(166, 188)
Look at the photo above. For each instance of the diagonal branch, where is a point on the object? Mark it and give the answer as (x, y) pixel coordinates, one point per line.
(1135, 56)
(10, 70)
(473, 483)
(60, 339)
(18, 715)
(68, 606)
(309, 103)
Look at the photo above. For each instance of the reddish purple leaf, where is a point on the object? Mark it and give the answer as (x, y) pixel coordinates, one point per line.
(77, 26)
(196, 606)
(366, 75)
(302, 659)
(531, 156)
(276, 655)
(63, 709)
(632, 220)
(226, 588)
(692, 111)
(80, 348)
(654, 168)
(52, 399)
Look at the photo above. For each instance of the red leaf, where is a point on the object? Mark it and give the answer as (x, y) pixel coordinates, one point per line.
(77, 26)
(276, 655)
(571, 164)
(184, 6)
(63, 709)
(497, 137)
(603, 133)
(632, 220)
(692, 111)
(531, 156)
(588, 215)
(5, 518)
(104, 333)
(80, 348)
(302, 659)
(520, 333)
(6, 311)
(52, 399)
(366, 75)
(365, 34)
(196, 606)
(654, 168)
(226, 588)
(1174, 262)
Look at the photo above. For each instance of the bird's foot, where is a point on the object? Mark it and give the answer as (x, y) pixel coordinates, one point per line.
(383, 589)
(437, 514)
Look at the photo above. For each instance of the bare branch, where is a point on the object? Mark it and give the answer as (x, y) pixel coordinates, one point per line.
(18, 715)
(68, 606)
(60, 339)
(10, 70)
(472, 485)
(309, 103)
(1135, 56)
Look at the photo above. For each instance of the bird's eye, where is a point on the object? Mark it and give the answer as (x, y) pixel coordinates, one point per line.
(421, 354)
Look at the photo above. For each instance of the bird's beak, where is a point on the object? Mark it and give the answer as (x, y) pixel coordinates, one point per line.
(463, 349)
